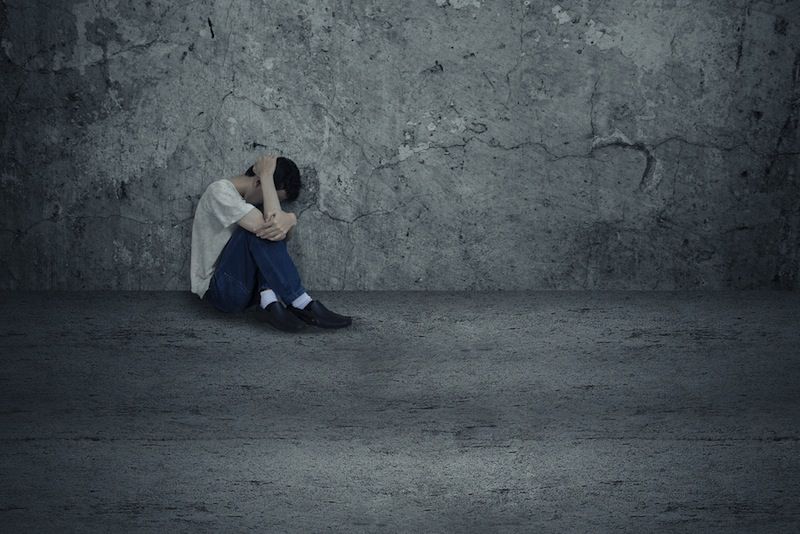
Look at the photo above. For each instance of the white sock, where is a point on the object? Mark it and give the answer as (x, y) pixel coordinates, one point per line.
(301, 301)
(267, 297)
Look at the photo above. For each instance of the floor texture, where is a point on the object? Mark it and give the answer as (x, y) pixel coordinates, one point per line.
(437, 412)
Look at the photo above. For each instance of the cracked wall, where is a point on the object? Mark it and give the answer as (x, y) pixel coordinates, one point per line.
(445, 144)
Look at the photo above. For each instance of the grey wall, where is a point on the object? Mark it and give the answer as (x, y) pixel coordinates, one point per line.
(446, 144)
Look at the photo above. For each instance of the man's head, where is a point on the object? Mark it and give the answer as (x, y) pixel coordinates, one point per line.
(286, 178)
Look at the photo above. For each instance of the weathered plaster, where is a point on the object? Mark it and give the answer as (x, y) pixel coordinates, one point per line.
(445, 144)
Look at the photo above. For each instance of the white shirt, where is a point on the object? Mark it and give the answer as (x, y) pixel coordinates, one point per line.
(218, 210)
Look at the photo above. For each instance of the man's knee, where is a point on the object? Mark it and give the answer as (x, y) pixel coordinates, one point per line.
(254, 239)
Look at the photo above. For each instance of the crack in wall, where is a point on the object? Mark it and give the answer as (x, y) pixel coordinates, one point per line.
(523, 9)
(743, 30)
(648, 179)
(402, 204)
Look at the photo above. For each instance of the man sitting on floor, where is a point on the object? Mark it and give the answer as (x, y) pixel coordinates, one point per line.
(239, 254)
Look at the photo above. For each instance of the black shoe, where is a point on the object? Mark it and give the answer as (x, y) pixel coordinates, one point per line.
(278, 317)
(318, 315)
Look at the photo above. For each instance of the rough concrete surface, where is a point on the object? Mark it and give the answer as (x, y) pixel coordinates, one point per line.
(447, 412)
(446, 144)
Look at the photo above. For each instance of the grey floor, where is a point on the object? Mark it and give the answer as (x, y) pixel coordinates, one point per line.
(464, 412)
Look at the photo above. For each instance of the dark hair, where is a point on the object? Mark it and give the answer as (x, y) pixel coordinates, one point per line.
(286, 177)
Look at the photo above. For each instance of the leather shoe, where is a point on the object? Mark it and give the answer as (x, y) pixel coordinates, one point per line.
(318, 315)
(277, 316)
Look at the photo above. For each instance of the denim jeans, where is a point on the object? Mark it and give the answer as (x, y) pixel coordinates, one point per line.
(246, 266)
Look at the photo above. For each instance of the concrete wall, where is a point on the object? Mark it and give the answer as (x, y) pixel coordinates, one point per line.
(446, 144)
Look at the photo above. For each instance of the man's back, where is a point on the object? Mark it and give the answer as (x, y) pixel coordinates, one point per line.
(218, 210)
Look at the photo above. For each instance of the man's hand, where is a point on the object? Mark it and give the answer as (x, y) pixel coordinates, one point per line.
(276, 225)
(265, 166)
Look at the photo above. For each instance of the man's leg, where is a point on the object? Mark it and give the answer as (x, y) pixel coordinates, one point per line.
(249, 265)
(278, 272)
(275, 268)
(233, 285)
(271, 266)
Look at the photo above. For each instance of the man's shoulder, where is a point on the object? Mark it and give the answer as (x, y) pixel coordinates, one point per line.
(221, 184)
(222, 188)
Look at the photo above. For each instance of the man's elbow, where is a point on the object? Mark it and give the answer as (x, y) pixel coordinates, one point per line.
(247, 225)
(252, 221)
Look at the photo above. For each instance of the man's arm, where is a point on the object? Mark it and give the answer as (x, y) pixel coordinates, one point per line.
(252, 221)
(277, 223)
(265, 168)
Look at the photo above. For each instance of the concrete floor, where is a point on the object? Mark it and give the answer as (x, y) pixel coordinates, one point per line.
(480, 412)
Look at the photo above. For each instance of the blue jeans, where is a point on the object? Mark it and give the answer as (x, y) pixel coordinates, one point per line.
(246, 266)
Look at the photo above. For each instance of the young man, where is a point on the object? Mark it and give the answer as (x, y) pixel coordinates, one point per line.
(239, 253)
